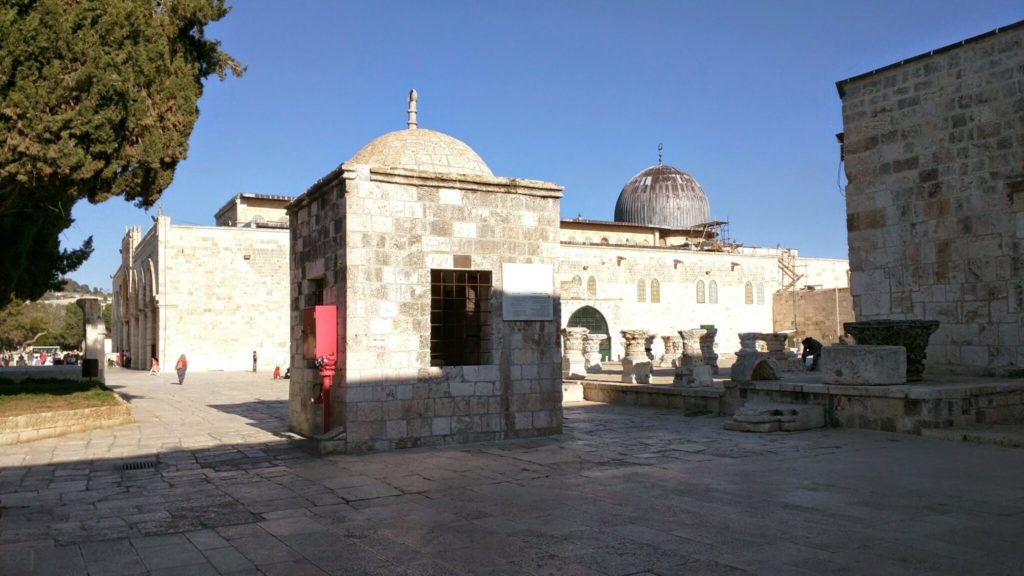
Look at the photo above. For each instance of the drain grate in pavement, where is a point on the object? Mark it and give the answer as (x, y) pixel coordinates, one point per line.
(139, 465)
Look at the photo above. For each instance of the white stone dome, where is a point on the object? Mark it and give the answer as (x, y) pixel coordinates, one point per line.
(426, 150)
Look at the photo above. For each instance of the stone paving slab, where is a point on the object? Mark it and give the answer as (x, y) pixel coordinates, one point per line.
(624, 490)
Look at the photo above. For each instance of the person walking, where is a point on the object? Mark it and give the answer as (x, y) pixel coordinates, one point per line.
(154, 366)
(181, 367)
(254, 361)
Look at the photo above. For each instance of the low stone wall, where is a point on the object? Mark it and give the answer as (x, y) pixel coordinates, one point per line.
(19, 373)
(688, 400)
(907, 408)
(28, 427)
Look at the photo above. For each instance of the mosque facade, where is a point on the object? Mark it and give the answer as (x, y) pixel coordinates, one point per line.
(214, 293)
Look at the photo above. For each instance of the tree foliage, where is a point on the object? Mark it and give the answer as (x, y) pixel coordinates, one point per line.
(98, 99)
(61, 324)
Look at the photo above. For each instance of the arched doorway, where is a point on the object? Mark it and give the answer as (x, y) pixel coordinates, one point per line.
(588, 317)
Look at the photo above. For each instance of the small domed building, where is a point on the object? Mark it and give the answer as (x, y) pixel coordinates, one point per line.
(437, 280)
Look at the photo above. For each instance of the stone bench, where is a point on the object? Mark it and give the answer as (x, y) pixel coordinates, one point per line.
(864, 365)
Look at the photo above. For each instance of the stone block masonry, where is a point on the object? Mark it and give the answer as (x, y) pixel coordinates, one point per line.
(369, 240)
(934, 150)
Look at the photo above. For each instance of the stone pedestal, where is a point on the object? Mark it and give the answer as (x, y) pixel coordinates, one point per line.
(573, 362)
(776, 417)
(911, 334)
(592, 351)
(776, 343)
(691, 369)
(864, 365)
(636, 366)
(94, 333)
(673, 349)
(752, 365)
(707, 349)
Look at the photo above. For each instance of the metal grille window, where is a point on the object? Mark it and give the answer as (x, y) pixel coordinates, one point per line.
(700, 291)
(712, 292)
(592, 286)
(760, 293)
(748, 293)
(655, 291)
(641, 291)
(460, 319)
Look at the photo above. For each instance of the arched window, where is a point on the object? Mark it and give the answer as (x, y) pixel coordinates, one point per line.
(592, 286)
(748, 293)
(700, 291)
(713, 292)
(604, 240)
(760, 293)
(641, 291)
(577, 282)
(655, 291)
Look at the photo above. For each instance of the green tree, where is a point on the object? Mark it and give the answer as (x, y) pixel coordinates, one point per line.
(23, 322)
(106, 312)
(98, 99)
(72, 329)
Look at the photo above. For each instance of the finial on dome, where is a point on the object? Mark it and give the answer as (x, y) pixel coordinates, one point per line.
(660, 146)
(413, 96)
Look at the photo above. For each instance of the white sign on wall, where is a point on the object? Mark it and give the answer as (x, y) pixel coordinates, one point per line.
(528, 292)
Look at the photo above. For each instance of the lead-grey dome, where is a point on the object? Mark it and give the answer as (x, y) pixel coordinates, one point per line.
(664, 197)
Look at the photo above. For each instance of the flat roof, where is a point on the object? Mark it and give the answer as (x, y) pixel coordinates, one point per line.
(285, 199)
(840, 85)
(697, 228)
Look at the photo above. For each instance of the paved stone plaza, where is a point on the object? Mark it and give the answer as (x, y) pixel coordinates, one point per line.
(622, 491)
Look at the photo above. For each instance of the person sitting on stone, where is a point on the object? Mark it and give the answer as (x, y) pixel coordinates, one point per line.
(812, 348)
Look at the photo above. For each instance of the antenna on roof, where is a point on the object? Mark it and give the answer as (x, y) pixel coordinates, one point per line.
(660, 147)
(412, 109)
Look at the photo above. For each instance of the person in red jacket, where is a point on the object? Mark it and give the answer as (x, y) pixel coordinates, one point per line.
(181, 367)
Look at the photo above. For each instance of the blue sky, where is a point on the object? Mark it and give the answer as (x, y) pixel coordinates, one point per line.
(741, 93)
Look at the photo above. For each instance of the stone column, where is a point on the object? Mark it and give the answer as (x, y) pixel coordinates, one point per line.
(707, 349)
(95, 332)
(636, 366)
(573, 363)
(750, 364)
(690, 368)
(673, 348)
(777, 348)
(592, 351)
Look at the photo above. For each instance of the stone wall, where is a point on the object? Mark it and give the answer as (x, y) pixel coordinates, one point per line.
(934, 152)
(617, 269)
(223, 294)
(396, 227)
(819, 313)
(317, 263)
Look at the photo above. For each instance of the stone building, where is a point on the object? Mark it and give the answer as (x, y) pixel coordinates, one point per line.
(662, 265)
(442, 278)
(214, 293)
(934, 152)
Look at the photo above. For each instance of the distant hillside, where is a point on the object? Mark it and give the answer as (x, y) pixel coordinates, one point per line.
(73, 291)
(72, 287)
